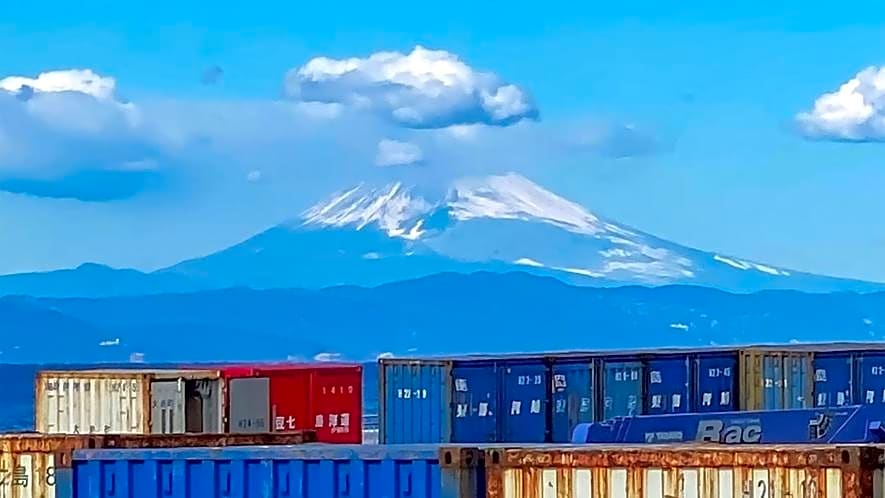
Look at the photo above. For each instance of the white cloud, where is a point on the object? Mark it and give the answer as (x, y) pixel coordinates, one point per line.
(396, 153)
(83, 81)
(422, 89)
(254, 176)
(854, 112)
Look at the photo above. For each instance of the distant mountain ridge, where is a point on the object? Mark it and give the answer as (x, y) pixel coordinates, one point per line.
(447, 313)
(376, 234)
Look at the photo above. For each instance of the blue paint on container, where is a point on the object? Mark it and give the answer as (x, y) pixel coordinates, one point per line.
(833, 379)
(475, 399)
(574, 399)
(307, 471)
(716, 382)
(667, 385)
(524, 388)
(622, 388)
(415, 402)
(871, 378)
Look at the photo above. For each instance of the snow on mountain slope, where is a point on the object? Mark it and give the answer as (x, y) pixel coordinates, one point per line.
(510, 220)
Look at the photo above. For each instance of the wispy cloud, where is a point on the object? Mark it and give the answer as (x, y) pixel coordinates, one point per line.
(396, 153)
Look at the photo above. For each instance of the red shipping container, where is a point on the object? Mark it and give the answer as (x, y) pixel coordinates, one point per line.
(325, 397)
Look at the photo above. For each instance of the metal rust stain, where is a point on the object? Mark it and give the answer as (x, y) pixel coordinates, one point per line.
(208, 440)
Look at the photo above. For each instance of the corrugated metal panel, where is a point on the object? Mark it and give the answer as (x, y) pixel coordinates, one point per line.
(833, 379)
(524, 390)
(70, 403)
(476, 402)
(336, 404)
(871, 378)
(716, 377)
(573, 398)
(308, 472)
(39, 466)
(622, 388)
(697, 472)
(667, 385)
(415, 401)
(772, 380)
(120, 401)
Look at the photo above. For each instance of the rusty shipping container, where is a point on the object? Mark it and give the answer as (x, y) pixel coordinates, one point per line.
(772, 379)
(39, 465)
(650, 471)
(130, 402)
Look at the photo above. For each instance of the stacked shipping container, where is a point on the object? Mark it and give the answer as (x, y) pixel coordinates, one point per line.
(428, 471)
(229, 399)
(541, 398)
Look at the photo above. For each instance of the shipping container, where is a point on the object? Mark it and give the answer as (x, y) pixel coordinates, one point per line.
(524, 387)
(39, 465)
(129, 401)
(327, 398)
(775, 379)
(309, 471)
(574, 400)
(622, 388)
(837, 425)
(716, 382)
(685, 471)
(476, 402)
(667, 388)
(834, 379)
(871, 378)
(415, 401)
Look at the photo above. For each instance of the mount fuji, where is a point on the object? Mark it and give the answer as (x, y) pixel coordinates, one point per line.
(375, 234)
(370, 235)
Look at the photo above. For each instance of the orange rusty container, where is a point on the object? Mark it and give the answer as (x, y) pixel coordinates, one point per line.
(685, 471)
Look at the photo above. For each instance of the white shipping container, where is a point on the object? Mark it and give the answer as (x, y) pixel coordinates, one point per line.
(129, 402)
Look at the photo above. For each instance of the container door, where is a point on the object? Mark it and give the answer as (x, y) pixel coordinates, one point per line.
(798, 380)
(716, 382)
(416, 407)
(833, 379)
(573, 399)
(524, 389)
(167, 407)
(871, 381)
(476, 403)
(249, 405)
(622, 389)
(289, 400)
(667, 385)
(336, 405)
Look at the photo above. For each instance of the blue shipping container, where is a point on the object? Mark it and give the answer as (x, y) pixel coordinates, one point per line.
(573, 398)
(667, 386)
(415, 401)
(833, 379)
(622, 388)
(476, 402)
(716, 382)
(307, 471)
(845, 425)
(871, 378)
(524, 388)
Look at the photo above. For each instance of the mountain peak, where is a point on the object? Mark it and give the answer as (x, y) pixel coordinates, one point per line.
(401, 211)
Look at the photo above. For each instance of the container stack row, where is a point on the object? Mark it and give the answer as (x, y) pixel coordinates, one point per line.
(431, 471)
(323, 398)
(541, 398)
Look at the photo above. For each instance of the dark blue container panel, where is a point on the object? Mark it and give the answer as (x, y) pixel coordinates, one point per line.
(573, 398)
(833, 379)
(475, 399)
(523, 414)
(667, 386)
(716, 383)
(871, 379)
(622, 389)
(268, 472)
(416, 406)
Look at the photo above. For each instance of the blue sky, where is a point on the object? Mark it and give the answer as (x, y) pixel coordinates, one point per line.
(715, 154)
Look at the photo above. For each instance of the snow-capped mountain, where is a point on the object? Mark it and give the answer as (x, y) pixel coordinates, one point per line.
(375, 234)
(510, 221)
